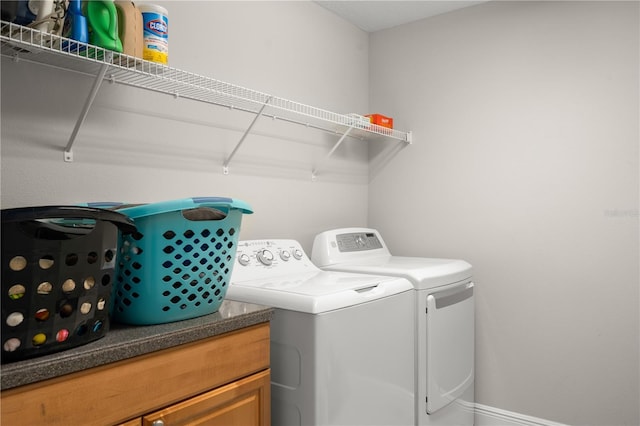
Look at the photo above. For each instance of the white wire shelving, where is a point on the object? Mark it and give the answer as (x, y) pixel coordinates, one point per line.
(26, 44)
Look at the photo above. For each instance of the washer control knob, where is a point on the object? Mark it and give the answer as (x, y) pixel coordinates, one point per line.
(244, 259)
(297, 253)
(285, 255)
(265, 257)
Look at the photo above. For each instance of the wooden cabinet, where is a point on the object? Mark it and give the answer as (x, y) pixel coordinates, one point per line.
(238, 403)
(221, 380)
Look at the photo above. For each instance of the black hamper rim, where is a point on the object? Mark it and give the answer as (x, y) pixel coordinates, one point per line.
(21, 214)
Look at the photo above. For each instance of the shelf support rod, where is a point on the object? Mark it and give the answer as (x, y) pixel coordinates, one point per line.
(330, 153)
(225, 166)
(68, 154)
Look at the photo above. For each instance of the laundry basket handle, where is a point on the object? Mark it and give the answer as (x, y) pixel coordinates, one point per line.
(185, 204)
(23, 214)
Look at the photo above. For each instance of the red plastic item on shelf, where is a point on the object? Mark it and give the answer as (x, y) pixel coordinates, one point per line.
(381, 120)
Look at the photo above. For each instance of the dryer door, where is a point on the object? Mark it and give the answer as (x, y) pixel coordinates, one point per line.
(450, 345)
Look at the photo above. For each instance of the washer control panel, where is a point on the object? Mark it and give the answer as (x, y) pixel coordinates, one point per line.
(256, 259)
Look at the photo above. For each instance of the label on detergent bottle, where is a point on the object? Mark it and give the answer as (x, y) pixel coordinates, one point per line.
(155, 20)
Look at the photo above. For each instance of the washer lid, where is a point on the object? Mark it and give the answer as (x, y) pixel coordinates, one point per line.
(423, 272)
(317, 292)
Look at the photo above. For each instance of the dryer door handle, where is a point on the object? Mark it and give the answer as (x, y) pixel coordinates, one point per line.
(453, 296)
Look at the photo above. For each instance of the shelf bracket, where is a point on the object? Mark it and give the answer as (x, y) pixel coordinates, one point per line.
(314, 172)
(225, 165)
(409, 138)
(68, 153)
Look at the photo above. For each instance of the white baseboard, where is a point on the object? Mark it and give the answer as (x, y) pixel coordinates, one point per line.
(490, 416)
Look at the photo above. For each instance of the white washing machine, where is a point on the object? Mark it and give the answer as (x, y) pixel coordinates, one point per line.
(342, 345)
(444, 323)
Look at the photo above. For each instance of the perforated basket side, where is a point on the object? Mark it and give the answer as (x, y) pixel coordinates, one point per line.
(55, 293)
(174, 269)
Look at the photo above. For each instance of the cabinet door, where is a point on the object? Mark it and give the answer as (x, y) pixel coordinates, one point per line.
(135, 422)
(245, 402)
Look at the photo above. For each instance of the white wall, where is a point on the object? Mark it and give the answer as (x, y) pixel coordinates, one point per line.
(140, 146)
(525, 163)
(525, 117)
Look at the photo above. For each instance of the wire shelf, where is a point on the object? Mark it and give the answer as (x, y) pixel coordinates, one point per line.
(26, 44)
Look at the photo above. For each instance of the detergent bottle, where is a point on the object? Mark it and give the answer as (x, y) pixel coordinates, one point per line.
(129, 27)
(75, 26)
(102, 19)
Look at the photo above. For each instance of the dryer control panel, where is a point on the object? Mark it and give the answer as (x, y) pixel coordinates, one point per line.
(347, 245)
(358, 241)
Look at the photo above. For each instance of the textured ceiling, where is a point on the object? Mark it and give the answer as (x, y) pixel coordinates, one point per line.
(378, 15)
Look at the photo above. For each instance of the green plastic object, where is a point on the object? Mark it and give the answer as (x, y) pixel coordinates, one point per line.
(102, 18)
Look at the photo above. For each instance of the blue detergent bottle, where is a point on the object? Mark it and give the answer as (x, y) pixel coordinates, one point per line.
(75, 27)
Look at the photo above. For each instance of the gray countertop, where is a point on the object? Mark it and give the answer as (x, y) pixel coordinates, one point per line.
(123, 341)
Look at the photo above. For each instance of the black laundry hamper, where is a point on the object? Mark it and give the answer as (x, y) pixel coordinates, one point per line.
(57, 275)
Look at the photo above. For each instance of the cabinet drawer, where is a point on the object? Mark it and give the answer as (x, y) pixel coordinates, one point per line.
(242, 403)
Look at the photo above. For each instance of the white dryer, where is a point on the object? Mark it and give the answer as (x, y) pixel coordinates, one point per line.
(342, 345)
(444, 323)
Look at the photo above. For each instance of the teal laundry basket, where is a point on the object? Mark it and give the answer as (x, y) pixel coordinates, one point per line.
(178, 264)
